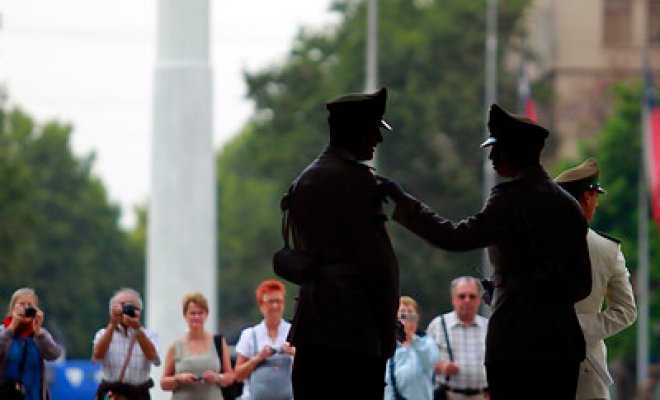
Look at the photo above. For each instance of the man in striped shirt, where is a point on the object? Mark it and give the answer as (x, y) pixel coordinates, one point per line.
(125, 349)
(461, 366)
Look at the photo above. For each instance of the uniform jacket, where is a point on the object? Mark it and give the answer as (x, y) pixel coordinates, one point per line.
(611, 282)
(532, 317)
(336, 215)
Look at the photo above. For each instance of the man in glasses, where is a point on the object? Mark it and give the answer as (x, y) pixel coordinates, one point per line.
(460, 371)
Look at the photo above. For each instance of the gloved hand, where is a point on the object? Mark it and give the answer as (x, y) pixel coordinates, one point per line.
(390, 188)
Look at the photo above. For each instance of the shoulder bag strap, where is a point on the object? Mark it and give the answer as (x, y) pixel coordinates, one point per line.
(128, 357)
(444, 329)
(21, 366)
(397, 394)
(285, 204)
(449, 351)
(217, 341)
(255, 348)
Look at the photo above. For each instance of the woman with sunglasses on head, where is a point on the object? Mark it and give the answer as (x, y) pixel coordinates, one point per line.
(409, 373)
(24, 348)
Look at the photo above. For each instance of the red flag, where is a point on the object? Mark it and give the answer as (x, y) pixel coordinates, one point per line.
(528, 108)
(651, 120)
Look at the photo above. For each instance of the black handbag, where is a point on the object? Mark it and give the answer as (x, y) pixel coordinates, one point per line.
(235, 389)
(293, 265)
(13, 389)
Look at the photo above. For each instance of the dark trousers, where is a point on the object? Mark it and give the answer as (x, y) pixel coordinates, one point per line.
(531, 378)
(321, 373)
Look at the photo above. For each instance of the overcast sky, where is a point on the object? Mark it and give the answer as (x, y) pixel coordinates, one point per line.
(90, 63)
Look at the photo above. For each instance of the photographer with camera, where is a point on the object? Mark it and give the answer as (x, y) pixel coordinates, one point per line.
(125, 350)
(409, 373)
(265, 358)
(24, 348)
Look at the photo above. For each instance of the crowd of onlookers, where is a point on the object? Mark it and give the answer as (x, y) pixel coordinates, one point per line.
(198, 365)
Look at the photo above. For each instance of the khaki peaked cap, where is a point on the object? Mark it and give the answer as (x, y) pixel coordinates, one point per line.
(582, 177)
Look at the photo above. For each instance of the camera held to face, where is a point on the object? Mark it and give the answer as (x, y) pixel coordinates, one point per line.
(30, 312)
(129, 309)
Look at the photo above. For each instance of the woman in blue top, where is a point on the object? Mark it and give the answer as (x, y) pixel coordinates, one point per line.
(410, 371)
(25, 345)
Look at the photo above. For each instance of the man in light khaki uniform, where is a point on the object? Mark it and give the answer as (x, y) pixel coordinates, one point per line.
(610, 282)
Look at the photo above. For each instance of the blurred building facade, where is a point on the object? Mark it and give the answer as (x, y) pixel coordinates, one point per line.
(579, 48)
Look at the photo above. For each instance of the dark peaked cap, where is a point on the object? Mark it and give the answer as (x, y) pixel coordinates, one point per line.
(580, 178)
(352, 106)
(512, 130)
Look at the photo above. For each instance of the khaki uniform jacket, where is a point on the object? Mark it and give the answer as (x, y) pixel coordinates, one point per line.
(336, 215)
(532, 318)
(611, 282)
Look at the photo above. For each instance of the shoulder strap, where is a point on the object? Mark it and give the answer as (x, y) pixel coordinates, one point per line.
(128, 357)
(217, 341)
(449, 351)
(21, 366)
(444, 329)
(285, 204)
(397, 394)
(178, 350)
(254, 340)
(254, 348)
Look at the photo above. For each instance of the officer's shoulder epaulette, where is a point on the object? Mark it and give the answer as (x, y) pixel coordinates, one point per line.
(606, 236)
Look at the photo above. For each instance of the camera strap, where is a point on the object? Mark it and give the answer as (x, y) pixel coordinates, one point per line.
(21, 366)
(395, 389)
(128, 357)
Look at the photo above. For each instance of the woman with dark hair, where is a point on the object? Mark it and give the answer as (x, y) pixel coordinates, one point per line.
(24, 348)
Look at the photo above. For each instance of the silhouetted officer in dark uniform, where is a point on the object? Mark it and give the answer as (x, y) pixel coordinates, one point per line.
(344, 325)
(536, 238)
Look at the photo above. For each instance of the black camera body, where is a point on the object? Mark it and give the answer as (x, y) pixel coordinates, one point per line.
(129, 309)
(30, 312)
(276, 349)
(400, 332)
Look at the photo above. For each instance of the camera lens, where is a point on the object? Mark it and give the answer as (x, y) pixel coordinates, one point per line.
(129, 309)
(30, 312)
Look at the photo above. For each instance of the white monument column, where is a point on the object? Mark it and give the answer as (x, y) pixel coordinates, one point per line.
(181, 245)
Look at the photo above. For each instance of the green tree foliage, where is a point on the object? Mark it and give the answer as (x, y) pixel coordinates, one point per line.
(432, 60)
(618, 149)
(60, 234)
